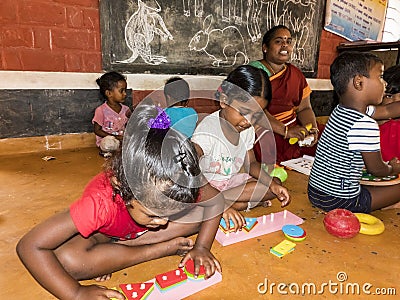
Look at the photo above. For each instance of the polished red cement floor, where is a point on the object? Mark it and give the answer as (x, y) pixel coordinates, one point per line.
(32, 189)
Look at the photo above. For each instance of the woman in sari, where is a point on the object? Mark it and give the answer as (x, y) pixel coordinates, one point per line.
(289, 113)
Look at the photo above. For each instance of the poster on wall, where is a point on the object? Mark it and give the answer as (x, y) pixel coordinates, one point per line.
(356, 19)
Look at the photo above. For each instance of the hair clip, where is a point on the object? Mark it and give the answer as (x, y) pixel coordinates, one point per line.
(178, 159)
(162, 121)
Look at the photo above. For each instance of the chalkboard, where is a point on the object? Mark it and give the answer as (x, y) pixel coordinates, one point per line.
(208, 37)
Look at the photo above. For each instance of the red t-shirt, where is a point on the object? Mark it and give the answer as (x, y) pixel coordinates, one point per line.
(98, 211)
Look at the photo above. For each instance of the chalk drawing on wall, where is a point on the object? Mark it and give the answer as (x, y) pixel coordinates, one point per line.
(204, 36)
(232, 11)
(198, 7)
(140, 30)
(225, 47)
(298, 20)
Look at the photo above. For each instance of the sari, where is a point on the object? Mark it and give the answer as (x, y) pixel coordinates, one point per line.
(289, 88)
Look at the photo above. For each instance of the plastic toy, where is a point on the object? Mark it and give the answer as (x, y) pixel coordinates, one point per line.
(306, 141)
(370, 225)
(170, 279)
(250, 223)
(137, 291)
(294, 233)
(341, 223)
(189, 270)
(369, 179)
(266, 224)
(283, 248)
(280, 173)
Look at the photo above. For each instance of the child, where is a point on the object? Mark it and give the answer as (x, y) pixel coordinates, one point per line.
(350, 141)
(224, 141)
(183, 118)
(111, 117)
(388, 113)
(122, 218)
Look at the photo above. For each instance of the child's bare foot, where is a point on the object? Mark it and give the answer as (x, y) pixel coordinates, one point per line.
(266, 203)
(393, 206)
(103, 278)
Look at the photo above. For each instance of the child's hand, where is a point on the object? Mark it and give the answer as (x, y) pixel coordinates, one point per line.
(395, 163)
(97, 292)
(202, 257)
(281, 193)
(236, 217)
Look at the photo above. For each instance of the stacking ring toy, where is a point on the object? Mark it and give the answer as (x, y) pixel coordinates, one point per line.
(370, 225)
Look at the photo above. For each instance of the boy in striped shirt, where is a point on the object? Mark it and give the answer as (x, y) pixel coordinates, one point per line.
(351, 141)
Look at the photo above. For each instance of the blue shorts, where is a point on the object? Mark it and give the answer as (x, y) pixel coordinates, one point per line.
(361, 203)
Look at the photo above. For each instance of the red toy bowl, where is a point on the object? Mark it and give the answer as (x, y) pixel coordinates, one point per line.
(342, 223)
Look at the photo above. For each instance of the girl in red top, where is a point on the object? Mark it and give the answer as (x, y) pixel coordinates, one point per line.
(388, 113)
(142, 207)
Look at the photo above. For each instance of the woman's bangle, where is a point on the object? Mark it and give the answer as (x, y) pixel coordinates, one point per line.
(286, 132)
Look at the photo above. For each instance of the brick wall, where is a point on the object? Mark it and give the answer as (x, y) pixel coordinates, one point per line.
(50, 35)
(327, 52)
(64, 36)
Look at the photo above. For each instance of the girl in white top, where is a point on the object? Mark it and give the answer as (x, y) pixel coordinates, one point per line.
(224, 142)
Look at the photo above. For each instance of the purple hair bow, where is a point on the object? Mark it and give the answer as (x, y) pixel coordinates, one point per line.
(162, 121)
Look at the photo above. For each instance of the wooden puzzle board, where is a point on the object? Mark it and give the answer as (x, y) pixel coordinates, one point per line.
(266, 224)
(184, 290)
(301, 164)
(369, 179)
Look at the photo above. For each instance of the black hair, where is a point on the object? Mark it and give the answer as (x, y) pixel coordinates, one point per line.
(270, 34)
(157, 167)
(108, 82)
(348, 65)
(392, 78)
(253, 80)
(178, 91)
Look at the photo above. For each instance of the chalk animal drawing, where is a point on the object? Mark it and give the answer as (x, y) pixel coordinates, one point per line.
(272, 14)
(141, 29)
(243, 13)
(198, 8)
(297, 19)
(224, 46)
(232, 10)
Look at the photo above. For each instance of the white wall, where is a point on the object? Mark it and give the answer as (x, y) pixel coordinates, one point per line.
(11, 80)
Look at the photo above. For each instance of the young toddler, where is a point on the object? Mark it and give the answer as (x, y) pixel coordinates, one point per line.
(388, 113)
(183, 118)
(111, 117)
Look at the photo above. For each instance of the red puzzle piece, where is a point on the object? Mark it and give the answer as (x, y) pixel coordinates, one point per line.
(137, 291)
(189, 270)
(170, 279)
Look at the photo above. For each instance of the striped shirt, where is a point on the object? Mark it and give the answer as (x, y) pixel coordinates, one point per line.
(338, 161)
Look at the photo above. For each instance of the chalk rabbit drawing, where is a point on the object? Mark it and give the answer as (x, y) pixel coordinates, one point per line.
(140, 30)
(223, 46)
